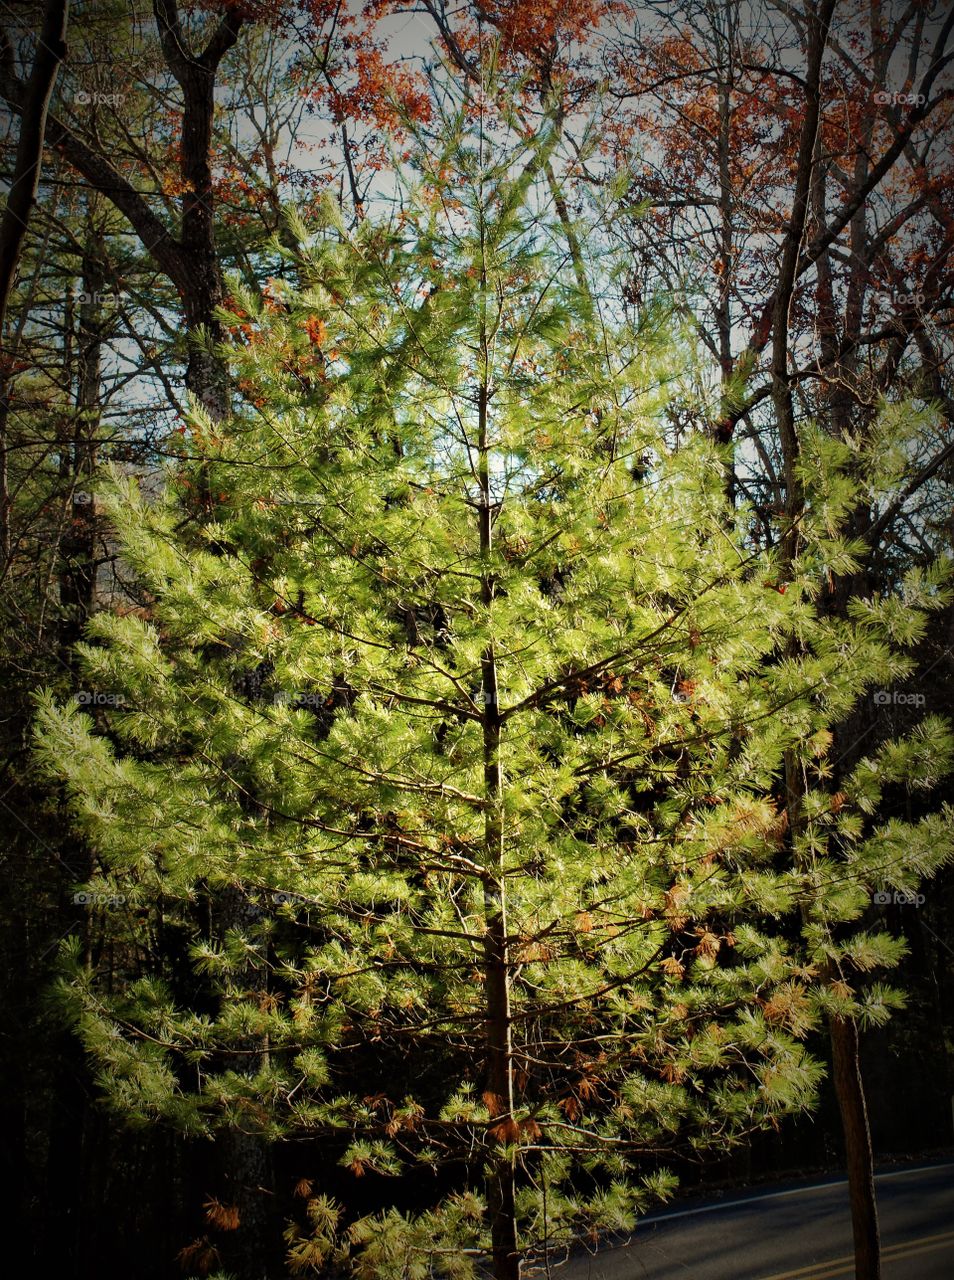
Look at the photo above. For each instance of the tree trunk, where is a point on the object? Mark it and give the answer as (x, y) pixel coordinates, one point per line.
(78, 547)
(24, 183)
(25, 180)
(725, 53)
(202, 289)
(844, 1032)
(501, 1192)
(247, 1164)
(858, 1151)
(499, 1091)
(501, 1178)
(501, 1175)
(71, 1158)
(782, 400)
(244, 1157)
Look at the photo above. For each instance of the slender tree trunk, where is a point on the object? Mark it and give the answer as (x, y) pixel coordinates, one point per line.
(844, 1032)
(202, 287)
(501, 1176)
(818, 23)
(850, 1093)
(723, 310)
(244, 1157)
(501, 1181)
(499, 1091)
(70, 1154)
(78, 548)
(25, 180)
(842, 411)
(24, 183)
(248, 1177)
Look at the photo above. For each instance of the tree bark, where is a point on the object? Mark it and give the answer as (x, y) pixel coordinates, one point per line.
(725, 51)
(243, 1157)
(499, 1081)
(849, 1091)
(839, 355)
(205, 375)
(501, 1176)
(78, 564)
(844, 1032)
(817, 27)
(24, 183)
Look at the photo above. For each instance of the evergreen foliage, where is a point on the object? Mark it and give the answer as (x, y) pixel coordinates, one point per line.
(466, 682)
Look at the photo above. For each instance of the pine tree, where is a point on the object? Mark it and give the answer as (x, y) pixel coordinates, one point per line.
(464, 680)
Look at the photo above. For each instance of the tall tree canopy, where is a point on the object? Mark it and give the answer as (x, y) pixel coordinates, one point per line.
(463, 680)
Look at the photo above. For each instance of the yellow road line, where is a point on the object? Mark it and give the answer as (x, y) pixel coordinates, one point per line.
(845, 1266)
(849, 1270)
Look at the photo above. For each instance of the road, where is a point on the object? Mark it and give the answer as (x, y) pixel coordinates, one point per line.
(799, 1233)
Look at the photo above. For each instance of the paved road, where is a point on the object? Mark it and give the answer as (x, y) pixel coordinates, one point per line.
(799, 1233)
